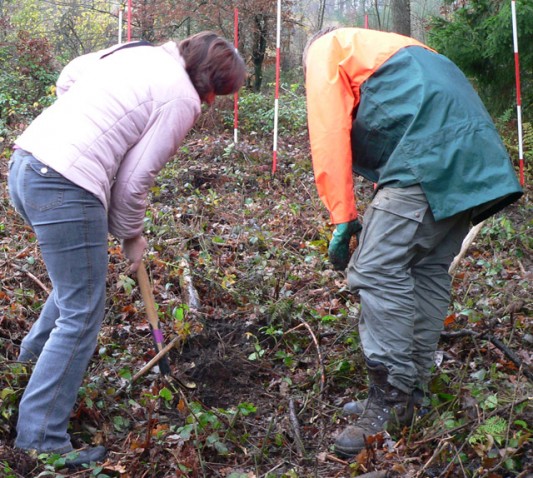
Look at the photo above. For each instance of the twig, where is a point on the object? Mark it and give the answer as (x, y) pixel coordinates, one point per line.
(464, 247)
(268, 473)
(458, 451)
(375, 474)
(149, 365)
(19, 254)
(319, 353)
(296, 428)
(299, 326)
(192, 298)
(336, 460)
(31, 276)
(265, 440)
(436, 453)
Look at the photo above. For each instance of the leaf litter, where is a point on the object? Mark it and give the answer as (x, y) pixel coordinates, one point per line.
(270, 347)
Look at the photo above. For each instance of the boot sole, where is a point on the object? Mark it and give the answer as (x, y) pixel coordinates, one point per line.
(346, 452)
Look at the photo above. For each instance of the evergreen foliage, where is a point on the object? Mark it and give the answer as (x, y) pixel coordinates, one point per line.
(479, 39)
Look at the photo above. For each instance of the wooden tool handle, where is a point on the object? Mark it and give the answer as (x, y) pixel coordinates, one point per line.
(151, 313)
(147, 295)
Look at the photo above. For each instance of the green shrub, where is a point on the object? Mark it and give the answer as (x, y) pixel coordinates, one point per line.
(27, 80)
(256, 112)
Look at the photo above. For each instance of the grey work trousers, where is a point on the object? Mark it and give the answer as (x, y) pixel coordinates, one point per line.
(400, 270)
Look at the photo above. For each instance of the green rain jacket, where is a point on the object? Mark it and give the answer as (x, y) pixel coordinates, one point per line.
(418, 121)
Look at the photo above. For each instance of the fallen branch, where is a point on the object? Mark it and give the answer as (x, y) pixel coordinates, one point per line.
(496, 342)
(464, 247)
(512, 356)
(293, 418)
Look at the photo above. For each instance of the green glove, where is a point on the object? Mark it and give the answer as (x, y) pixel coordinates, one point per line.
(339, 246)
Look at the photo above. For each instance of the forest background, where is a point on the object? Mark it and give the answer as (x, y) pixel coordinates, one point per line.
(267, 337)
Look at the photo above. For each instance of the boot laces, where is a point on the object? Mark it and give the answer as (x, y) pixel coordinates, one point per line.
(376, 412)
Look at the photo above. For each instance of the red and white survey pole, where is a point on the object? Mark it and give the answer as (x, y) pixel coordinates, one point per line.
(120, 12)
(276, 94)
(129, 20)
(518, 94)
(236, 95)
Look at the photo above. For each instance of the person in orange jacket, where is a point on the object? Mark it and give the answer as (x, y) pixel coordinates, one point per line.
(396, 112)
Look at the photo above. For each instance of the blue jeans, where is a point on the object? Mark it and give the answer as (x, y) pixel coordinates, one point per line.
(401, 273)
(71, 228)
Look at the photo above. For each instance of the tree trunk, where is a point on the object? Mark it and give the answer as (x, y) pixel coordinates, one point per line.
(321, 11)
(376, 6)
(259, 49)
(401, 16)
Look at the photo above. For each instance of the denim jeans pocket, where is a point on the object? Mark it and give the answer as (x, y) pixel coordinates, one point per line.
(43, 170)
(44, 186)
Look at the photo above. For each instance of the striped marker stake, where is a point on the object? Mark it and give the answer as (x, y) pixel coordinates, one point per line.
(518, 94)
(276, 94)
(129, 20)
(236, 95)
(120, 14)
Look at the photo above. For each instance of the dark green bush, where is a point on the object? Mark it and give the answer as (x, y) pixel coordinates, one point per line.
(479, 39)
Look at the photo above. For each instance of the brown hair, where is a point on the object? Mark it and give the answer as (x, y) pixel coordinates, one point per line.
(213, 64)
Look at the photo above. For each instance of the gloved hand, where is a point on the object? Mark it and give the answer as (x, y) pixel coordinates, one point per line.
(133, 249)
(339, 246)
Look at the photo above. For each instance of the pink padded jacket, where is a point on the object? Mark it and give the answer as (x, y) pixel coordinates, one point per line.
(116, 123)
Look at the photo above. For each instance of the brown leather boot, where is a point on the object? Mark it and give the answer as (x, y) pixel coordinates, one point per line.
(387, 407)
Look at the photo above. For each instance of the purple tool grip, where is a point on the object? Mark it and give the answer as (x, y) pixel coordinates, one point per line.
(158, 336)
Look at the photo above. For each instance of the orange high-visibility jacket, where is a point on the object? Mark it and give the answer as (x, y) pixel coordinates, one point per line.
(337, 64)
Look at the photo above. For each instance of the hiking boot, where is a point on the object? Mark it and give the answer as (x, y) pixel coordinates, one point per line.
(356, 407)
(85, 456)
(387, 407)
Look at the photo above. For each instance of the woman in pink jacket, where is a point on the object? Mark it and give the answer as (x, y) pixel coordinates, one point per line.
(82, 169)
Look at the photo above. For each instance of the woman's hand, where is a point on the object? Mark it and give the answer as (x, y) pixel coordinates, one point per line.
(133, 249)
